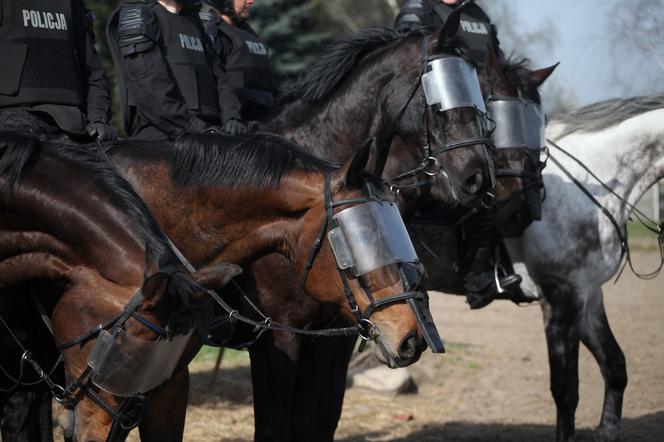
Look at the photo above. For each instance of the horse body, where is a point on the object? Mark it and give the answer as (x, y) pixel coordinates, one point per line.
(575, 249)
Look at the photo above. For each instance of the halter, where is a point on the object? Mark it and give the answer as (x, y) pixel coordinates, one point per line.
(431, 166)
(418, 300)
(127, 415)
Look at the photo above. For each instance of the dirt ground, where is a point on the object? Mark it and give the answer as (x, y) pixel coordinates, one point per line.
(492, 385)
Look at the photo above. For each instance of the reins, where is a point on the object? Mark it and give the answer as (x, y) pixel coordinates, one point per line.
(645, 220)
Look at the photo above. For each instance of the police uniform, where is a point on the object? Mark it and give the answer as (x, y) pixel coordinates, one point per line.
(430, 15)
(170, 82)
(247, 62)
(49, 66)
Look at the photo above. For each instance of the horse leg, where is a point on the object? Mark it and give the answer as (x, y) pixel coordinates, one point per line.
(165, 411)
(597, 336)
(273, 370)
(561, 324)
(320, 388)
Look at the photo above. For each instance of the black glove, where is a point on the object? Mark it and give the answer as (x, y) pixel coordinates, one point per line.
(198, 126)
(235, 127)
(101, 130)
(253, 126)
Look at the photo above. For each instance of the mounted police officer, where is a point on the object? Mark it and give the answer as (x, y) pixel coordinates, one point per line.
(245, 54)
(51, 78)
(170, 81)
(482, 283)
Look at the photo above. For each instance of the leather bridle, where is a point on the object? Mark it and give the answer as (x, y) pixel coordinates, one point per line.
(431, 166)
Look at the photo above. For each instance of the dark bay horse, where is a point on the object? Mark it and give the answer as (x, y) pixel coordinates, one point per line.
(225, 199)
(292, 407)
(73, 227)
(367, 85)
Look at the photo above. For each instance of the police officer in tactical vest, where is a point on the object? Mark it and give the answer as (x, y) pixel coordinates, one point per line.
(51, 78)
(245, 54)
(170, 81)
(478, 260)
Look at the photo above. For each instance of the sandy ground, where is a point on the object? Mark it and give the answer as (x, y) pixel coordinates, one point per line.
(492, 385)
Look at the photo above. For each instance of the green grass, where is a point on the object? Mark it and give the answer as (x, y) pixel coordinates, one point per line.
(636, 230)
(210, 354)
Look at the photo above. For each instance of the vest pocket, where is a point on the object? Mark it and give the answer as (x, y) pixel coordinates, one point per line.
(12, 62)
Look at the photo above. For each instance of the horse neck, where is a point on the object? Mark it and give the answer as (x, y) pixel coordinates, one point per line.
(75, 223)
(629, 157)
(362, 106)
(217, 224)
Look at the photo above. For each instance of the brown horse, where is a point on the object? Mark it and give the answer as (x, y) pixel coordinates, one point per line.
(369, 83)
(225, 199)
(295, 405)
(77, 231)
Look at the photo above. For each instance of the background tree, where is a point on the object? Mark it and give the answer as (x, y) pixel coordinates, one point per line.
(636, 33)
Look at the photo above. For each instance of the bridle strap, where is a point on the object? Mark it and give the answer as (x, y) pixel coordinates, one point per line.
(375, 305)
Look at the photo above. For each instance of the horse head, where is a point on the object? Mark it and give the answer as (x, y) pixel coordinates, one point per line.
(514, 105)
(379, 285)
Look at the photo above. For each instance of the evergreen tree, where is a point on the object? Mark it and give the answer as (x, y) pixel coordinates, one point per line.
(296, 31)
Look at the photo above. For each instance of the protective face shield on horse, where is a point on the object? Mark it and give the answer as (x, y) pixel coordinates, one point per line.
(371, 236)
(519, 140)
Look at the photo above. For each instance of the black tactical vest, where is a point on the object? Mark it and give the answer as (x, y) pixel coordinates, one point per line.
(248, 64)
(475, 28)
(185, 54)
(38, 62)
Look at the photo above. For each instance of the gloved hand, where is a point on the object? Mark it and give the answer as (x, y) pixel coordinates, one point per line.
(198, 126)
(234, 127)
(253, 126)
(101, 130)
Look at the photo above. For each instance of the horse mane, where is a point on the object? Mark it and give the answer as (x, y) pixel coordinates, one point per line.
(604, 114)
(20, 150)
(518, 71)
(340, 58)
(258, 161)
(344, 54)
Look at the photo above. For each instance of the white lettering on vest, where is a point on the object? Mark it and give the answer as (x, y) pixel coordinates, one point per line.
(191, 43)
(474, 27)
(256, 48)
(44, 20)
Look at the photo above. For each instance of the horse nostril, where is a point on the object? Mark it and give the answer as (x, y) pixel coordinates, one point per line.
(409, 348)
(473, 183)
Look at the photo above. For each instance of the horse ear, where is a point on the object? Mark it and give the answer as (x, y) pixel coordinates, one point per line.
(216, 276)
(539, 76)
(354, 169)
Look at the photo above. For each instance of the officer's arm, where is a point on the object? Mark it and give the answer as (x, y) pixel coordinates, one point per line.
(147, 76)
(97, 93)
(229, 104)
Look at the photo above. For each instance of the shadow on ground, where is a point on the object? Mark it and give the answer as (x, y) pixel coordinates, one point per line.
(233, 384)
(648, 428)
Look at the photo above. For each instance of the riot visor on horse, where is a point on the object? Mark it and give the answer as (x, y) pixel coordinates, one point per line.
(87, 243)
(370, 84)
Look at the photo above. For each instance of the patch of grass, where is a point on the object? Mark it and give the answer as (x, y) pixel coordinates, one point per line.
(210, 354)
(637, 230)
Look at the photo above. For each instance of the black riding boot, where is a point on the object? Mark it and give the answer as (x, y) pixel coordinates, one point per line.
(483, 281)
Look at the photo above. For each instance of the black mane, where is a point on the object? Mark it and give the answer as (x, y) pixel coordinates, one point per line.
(340, 57)
(19, 151)
(518, 71)
(258, 161)
(345, 53)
